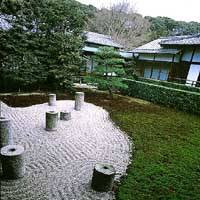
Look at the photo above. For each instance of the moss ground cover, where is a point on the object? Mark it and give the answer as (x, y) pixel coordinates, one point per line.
(166, 159)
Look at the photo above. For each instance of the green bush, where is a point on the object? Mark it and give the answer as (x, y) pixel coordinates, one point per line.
(43, 40)
(170, 84)
(109, 70)
(179, 99)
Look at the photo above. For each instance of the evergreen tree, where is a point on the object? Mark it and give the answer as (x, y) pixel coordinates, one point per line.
(42, 44)
(164, 26)
(109, 70)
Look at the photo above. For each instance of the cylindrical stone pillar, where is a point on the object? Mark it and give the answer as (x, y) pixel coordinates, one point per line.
(12, 159)
(103, 177)
(52, 99)
(51, 120)
(5, 132)
(64, 115)
(79, 100)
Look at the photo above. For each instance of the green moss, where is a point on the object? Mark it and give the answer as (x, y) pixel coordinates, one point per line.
(166, 160)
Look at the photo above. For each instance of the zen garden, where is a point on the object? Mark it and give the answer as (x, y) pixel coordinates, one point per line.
(97, 103)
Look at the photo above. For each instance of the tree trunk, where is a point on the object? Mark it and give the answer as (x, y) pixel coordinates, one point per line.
(110, 93)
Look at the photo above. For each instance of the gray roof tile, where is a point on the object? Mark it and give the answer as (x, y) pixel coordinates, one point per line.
(183, 40)
(101, 39)
(154, 47)
(158, 46)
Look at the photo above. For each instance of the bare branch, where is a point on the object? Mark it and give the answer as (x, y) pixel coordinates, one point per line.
(122, 22)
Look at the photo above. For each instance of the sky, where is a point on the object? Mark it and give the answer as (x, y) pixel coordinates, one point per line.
(181, 10)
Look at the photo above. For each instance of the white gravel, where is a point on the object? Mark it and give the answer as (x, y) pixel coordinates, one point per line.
(59, 164)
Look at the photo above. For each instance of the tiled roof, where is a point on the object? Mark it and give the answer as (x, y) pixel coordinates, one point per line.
(155, 47)
(182, 40)
(101, 39)
(158, 46)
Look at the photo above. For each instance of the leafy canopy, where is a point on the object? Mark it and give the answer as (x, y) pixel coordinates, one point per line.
(40, 42)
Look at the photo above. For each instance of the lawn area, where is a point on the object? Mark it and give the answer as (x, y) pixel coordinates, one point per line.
(166, 159)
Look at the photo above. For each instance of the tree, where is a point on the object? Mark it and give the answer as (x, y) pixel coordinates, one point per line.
(122, 23)
(109, 71)
(164, 26)
(43, 43)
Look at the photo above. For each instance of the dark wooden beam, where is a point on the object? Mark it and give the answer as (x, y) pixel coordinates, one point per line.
(192, 55)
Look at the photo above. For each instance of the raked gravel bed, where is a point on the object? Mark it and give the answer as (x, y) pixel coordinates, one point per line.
(59, 165)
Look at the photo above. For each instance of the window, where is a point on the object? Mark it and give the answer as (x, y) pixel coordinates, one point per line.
(187, 54)
(147, 72)
(156, 73)
(196, 57)
(164, 74)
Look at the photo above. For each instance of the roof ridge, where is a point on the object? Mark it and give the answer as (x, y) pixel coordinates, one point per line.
(179, 38)
(98, 38)
(100, 34)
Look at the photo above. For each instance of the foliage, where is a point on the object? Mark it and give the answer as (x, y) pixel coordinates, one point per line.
(42, 43)
(169, 84)
(180, 99)
(166, 157)
(122, 23)
(130, 68)
(109, 70)
(166, 152)
(130, 29)
(164, 26)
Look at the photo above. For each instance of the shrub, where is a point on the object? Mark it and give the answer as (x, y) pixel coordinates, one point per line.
(43, 40)
(179, 99)
(109, 70)
(170, 84)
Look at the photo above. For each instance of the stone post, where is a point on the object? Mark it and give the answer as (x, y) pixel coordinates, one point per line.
(79, 100)
(5, 132)
(64, 115)
(52, 99)
(12, 159)
(103, 177)
(51, 120)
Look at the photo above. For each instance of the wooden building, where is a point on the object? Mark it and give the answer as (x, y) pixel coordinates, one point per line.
(92, 44)
(174, 58)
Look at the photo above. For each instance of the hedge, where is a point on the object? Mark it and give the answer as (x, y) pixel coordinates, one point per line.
(179, 99)
(170, 84)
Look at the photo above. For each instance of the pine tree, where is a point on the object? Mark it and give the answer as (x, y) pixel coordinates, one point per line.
(109, 70)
